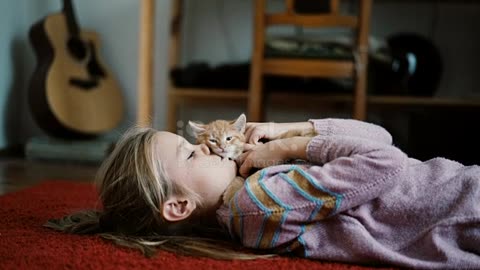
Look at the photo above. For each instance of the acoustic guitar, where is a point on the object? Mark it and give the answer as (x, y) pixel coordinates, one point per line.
(71, 92)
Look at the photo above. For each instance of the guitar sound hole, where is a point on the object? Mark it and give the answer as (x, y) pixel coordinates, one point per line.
(93, 67)
(77, 48)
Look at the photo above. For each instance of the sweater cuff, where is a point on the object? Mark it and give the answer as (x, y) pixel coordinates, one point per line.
(315, 150)
(323, 127)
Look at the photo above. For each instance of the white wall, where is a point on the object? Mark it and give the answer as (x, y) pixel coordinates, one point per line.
(215, 31)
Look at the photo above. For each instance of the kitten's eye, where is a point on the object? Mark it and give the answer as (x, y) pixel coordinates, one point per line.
(191, 155)
(213, 140)
(229, 138)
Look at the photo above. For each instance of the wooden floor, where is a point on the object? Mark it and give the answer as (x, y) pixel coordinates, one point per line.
(18, 173)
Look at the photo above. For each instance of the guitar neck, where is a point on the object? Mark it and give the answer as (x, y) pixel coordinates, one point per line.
(69, 12)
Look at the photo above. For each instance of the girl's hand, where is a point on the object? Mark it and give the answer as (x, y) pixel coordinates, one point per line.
(272, 153)
(255, 133)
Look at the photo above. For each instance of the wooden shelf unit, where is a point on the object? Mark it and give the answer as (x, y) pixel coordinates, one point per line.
(175, 95)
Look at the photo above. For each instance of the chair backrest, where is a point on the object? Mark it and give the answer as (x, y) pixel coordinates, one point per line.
(330, 18)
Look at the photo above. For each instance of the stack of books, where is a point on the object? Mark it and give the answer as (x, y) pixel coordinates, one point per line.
(55, 149)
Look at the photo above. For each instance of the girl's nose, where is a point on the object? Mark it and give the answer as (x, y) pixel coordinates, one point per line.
(204, 148)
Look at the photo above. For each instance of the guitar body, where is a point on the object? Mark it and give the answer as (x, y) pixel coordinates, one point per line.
(71, 93)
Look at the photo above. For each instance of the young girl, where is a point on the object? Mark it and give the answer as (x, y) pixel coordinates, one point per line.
(356, 199)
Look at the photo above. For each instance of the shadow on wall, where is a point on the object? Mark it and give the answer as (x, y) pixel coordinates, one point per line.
(14, 106)
(19, 125)
(16, 109)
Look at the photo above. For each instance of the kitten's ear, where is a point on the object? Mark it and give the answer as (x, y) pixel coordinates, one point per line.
(241, 123)
(197, 129)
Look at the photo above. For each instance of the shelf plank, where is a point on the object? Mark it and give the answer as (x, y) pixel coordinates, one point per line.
(423, 101)
(242, 94)
(325, 68)
(311, 21)
(189, 93)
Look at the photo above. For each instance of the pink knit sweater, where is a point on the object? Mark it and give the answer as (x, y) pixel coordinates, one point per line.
(361, 200)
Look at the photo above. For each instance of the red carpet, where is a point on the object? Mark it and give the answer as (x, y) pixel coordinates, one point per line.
(25, 244)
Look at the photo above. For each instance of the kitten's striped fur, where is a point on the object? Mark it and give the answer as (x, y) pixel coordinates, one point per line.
(224, 138)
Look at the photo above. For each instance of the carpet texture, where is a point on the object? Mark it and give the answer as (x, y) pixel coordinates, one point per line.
(26, 244)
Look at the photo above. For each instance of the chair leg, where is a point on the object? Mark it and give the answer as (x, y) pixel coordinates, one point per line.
(255, 92)
(172, 115)
(256, 112)
(360, 96)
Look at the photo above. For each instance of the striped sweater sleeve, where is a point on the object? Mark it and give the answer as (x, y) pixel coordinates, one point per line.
(277, 204)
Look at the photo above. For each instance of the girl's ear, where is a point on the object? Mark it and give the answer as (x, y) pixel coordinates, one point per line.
(240, 123)
(197, 129)
(176, 208)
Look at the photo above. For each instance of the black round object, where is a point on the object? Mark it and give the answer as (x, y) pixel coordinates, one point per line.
(415, 66)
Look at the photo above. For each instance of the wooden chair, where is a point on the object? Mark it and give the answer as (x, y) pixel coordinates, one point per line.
(355, 68)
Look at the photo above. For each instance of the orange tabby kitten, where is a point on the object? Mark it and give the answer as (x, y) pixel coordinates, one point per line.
(224, 138)
(239, 181)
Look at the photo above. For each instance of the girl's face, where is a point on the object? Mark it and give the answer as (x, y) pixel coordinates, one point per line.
(193, 166)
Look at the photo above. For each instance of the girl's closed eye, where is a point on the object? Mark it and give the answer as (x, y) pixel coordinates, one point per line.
(191, 155)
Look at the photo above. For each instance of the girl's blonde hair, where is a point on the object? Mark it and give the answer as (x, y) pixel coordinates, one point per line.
(132, 186)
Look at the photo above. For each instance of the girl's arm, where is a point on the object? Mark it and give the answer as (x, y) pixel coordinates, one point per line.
(282, 150)
(281, 198)
(256, 132)
(357, 169)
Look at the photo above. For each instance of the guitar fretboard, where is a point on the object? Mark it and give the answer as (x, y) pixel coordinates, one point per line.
(72, 25)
